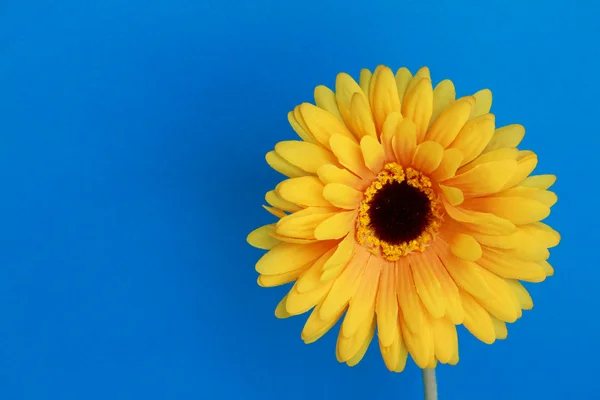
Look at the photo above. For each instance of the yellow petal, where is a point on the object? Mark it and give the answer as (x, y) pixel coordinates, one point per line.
(453, 307)
(273, 199)
(517, 210)
(280, 165)
(322, 124)
(315, 326)
(443, 95)
(420, 346)
(453, 195)
(450, 122)
(497, 241)
(474, 137)
(401, 359)
(483, 103)
(302, 224)
(428, 156)
(261, 238)
(484, 179)
(499, 328)
(329, 274)
(433, 362)
(527, 161)
(507, 136)
(305, 212)
(526, 246)
(389, 131)
(392, 353)
(345, 88)
(445, 339)
(299, 303)
(405, 142)
(280, 311)
(408, 298)
(372, 153)
(543, 196)
(387, 306)
(305, 191)
(418, 106)
(501, 302)
(465, 247)
(383, 95)
(542, 233)
(522, 294)
(466, 274)
(311, 276)
(527, 251)
(403, 78)
(343, 254)
(329, 173)
(280, 279)
(477, 319)
(547, 268)
(336, 226)
(349, 347)
(297, 122)
(361, 120)
(286, 257)
(455, 359)
(349, 155)
(288, 239)
(342, 196)
(423, 72)
(364, 80)
(275, 211)
(362, 303)
(494, 155)
(485, 223)
(325, 99)
(539, 181)
(307, 156)
(345, 286)
(427, 284)
(363, 349)
(496, 261)
(451, 160)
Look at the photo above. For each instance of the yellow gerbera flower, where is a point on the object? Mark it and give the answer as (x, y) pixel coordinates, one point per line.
(407, 211)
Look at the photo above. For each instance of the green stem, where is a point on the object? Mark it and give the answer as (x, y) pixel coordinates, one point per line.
(430, 384)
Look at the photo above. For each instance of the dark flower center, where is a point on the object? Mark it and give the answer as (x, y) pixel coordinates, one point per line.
(399, 212)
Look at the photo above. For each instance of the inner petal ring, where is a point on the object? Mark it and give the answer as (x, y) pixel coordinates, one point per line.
(399, 214)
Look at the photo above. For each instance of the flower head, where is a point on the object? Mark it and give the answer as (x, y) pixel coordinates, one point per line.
(406, 212)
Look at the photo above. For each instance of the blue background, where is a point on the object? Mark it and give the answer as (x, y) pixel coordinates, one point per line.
(132, 141)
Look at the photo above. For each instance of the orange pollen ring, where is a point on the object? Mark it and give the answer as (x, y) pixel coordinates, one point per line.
(365, 235)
